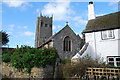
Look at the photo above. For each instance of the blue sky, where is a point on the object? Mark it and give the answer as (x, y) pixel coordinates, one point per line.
(19, 18)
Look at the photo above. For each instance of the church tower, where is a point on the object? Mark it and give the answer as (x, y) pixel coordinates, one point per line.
(43, 29)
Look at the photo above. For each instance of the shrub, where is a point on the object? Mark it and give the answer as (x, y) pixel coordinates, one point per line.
(16, 60)
(9, 51)
(78, 69)
(6, 57)
(49, 56)
(63, 60)
(27, 57)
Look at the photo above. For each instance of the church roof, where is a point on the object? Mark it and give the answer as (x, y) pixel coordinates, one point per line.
(58, 32)
(106, 22)
(51, 37)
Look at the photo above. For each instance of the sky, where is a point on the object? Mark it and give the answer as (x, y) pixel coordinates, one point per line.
(19, 17)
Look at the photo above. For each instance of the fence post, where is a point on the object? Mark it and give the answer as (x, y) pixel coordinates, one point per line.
(108, 78)
(117, 77)
(97, 77)
(113, 78)
(94, 77)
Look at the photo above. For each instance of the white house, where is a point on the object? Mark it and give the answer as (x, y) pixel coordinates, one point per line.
(103, 35)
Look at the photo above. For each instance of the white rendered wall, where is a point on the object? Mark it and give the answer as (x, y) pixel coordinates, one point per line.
(119, 42)
(103, 48)
(91, 12)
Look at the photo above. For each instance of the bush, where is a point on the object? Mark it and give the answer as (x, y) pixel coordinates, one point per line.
(63, 60)
(27, 57)
(6, 57)
(78, 69)
(49, 56)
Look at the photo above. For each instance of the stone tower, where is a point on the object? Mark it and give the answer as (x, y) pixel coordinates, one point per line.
(43, 29)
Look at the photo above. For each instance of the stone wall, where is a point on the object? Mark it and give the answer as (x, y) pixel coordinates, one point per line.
(58, 42)
(10, 72)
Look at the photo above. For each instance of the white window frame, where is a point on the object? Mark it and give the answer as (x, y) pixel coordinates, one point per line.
(109, 34)
(114, 60)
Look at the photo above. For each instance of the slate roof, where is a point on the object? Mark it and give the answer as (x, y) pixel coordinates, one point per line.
(106, 22)
(51, 37)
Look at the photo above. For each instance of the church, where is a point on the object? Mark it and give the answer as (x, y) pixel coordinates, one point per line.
(66, 42)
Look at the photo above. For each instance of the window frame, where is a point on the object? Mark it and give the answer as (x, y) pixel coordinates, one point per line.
(67, 46)
(107, 33)
(114, 60)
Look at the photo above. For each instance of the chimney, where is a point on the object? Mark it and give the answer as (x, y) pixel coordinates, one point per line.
(91, 11)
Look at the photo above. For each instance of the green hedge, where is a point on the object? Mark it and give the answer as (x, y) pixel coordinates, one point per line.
(26, 58)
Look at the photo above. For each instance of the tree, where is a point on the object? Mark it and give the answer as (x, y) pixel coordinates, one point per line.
(4, 38)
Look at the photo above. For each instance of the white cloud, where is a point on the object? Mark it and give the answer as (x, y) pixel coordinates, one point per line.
(9, 33)
(28, 33)
(115, 4)
(25, 27)
(27, 42)
(60, 10)
(79, 20)
(115, 0)
(37, 10)
(22, 27)
(56, 27)
(15, 3)
(11, 27)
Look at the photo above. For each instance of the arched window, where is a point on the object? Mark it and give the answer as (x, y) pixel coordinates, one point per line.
(67, 44)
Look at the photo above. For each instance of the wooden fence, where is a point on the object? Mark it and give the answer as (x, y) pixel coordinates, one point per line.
(107, 72)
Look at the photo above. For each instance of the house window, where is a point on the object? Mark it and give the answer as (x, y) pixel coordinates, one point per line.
(109, 34)
(104, 35)
(67, 44)
(113, 61)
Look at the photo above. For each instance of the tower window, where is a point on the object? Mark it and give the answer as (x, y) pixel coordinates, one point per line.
(67, 44)
(51, 25)
(46, 25)
(41, 24)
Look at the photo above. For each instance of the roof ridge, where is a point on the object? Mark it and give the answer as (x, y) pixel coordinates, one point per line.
(57, 33)
(106, 22)
(105, 15)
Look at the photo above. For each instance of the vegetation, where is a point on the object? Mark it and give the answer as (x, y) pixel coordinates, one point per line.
(4, 38)
(78, 69)
(6, 55)
(27, 57)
